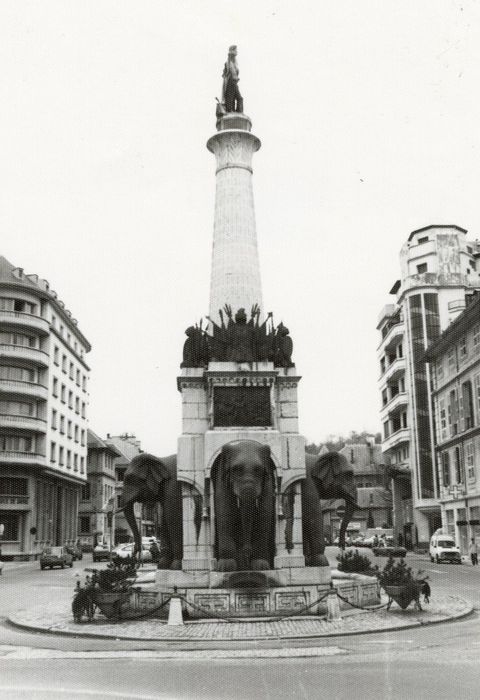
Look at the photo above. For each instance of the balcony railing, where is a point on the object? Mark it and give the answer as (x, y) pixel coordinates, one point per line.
(395, 368)
(15, 457)
(397, 402)
(11, 500)
(23, 422)
(397, 438)
(16, 386)
(23, 352)
(20, 319)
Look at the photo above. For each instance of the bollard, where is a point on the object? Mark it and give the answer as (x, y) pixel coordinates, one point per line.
(333, 608)
(175, 616)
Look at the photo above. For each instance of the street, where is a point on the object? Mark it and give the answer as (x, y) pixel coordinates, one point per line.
(438, 661)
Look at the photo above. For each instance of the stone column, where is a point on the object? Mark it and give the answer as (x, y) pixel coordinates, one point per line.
(235, 277)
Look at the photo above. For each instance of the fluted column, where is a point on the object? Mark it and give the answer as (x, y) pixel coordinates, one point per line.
(235, 277)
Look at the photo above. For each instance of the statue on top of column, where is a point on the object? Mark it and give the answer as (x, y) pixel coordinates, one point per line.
(232, 101)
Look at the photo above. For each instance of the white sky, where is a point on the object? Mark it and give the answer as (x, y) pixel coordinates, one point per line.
(369, 117)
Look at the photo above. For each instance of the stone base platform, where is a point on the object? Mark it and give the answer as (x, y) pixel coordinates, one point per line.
(250, 594)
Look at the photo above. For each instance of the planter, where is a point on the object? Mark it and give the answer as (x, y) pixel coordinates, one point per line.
(112, 604)
(404, 594)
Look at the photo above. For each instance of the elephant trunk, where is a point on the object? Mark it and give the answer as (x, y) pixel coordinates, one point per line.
(247, 513)
(349, 510)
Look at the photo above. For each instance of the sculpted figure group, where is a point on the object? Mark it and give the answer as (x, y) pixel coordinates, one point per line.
(239, 339)
(243, 479)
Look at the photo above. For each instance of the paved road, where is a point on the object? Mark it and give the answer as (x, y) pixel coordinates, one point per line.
(435, 662)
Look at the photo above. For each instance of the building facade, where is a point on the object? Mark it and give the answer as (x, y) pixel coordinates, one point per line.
(454, 361)
(43, 414)
(98, 495)
(439, 271)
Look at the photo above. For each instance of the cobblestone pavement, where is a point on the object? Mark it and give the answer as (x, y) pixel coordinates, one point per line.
(56, 619)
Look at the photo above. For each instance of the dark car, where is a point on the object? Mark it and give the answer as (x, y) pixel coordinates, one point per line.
(75, 550)
(101, 552)
(55, 556)
(385, 549)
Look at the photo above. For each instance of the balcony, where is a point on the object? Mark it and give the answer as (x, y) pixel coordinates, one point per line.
(393, 337)
(398, 403)
(17, 387)
(19, 502)
(395, 370)
(38, 425)
(23, 322)
(21, 458)
(395, 439)
(20, 352)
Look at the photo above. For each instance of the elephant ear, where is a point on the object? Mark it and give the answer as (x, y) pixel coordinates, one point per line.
(330, 470)
(144, 474)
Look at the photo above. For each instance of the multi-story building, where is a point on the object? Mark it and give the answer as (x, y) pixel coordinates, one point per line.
(454, 361)
(43, 414)
(373, 498)
(98, 495)
(439, 270)
(128, 447)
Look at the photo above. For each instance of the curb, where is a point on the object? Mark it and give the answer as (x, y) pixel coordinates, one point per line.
(263, 638)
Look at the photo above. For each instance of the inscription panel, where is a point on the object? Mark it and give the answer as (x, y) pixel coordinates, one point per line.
(241, 406)
(252, 602)
(288, 602)
(213, 602)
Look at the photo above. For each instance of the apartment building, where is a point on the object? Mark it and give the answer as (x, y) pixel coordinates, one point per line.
(438, 272)
(454, 362)
(98, 495)
(43, 414)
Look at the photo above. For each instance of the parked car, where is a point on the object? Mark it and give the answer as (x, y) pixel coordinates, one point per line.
(55, 556)
(388, 549)
(443, 549)
(125, 551)
(101, 552)
(75, 550)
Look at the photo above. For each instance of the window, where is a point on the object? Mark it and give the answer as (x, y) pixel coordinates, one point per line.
(17, 373)
(469, 460)
(443, 419)
(10, 520)
(476, 339)
(82, 465)
(77, 405)
(458, 466)
(75, 462)
(386, 431)
(13, 486)
(453, 413)
(452, 365)
(53, 452)
(84, 379)
(467, 405)
(55, 387)
(63, 392)
(422, 240)
(61, 330)
(85, 524)
(423, 267)
(61, 456)
(463, 350)
(69, 429)
(83, 409)
(76, 433)
(71, 371)
(439, 368)
(64, 363)
(86, 492)
(54, 419)
(54, 321)
(69, 459)
(77, 380)
(70, 399)
(62, 424)
(10, 443)
(56, 355)
(82, 437)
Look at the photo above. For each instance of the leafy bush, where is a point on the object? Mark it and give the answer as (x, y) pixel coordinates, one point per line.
(351, 561)
(118, 576)
(397, 573)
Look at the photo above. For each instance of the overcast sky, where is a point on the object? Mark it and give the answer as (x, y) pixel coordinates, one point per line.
(369, 118)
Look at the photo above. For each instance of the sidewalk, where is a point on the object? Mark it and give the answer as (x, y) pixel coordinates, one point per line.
(55, 619)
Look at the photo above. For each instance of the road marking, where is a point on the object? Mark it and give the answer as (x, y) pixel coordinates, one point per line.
(8, 652)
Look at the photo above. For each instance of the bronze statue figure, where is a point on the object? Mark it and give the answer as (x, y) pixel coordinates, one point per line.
(195, 348)
(232, 100)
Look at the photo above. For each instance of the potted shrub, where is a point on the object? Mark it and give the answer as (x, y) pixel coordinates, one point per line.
(400, 584)
(109, 589)
(352, 562)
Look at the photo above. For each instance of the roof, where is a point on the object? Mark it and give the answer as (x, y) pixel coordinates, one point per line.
(456, 329)
(364, 459)
(12, 276)
(96, 443)
(428, 228)
(374, 497)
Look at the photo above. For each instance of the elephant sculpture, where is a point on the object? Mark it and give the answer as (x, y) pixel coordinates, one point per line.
(151, 481)
(329, 476)
(244, 498)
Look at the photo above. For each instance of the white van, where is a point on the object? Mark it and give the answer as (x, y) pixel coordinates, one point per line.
(443, 548)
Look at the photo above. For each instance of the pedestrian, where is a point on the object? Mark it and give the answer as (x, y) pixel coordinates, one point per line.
(155, 552)
(426, 591)
(473, 551)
